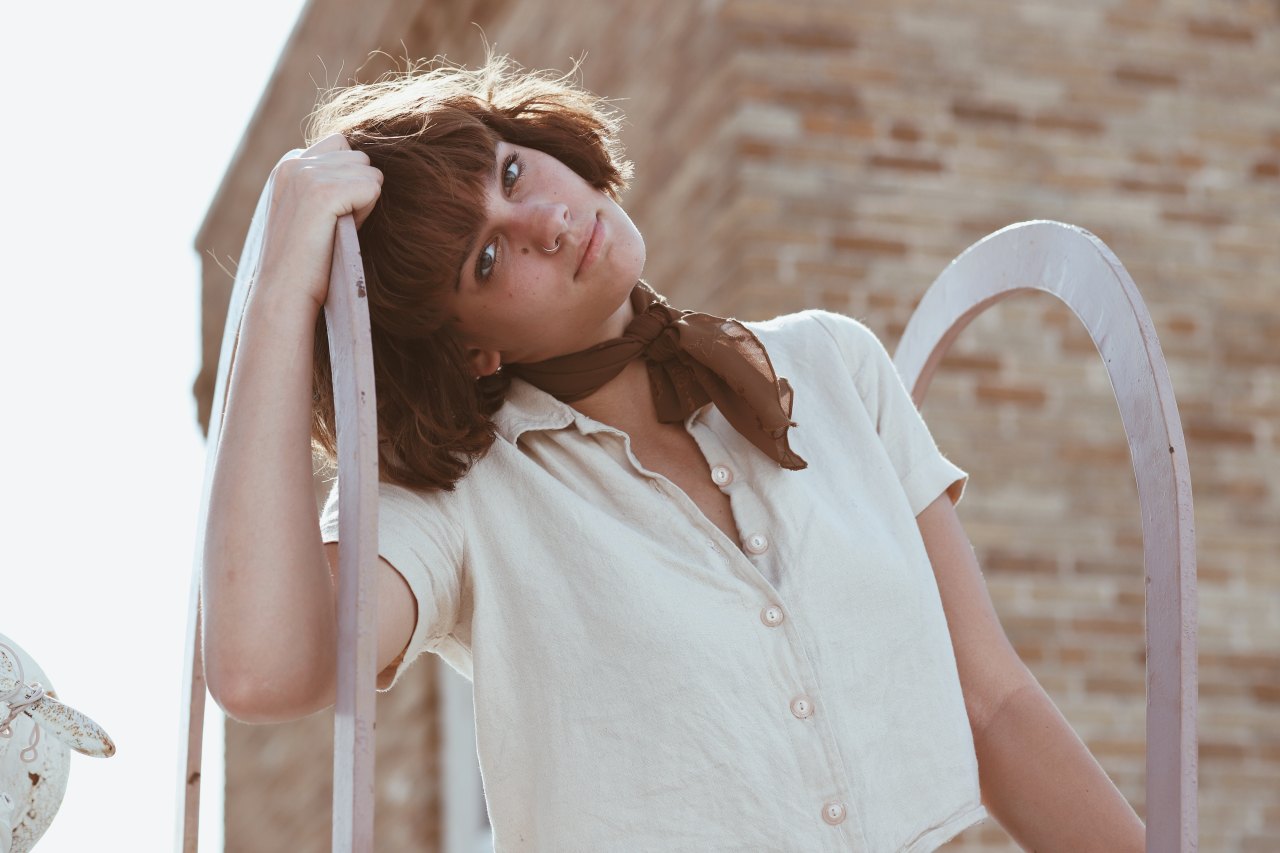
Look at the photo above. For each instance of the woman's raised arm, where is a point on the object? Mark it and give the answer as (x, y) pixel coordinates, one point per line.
(268, 594)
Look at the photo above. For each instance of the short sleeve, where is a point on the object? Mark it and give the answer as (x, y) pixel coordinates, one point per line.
(420, 541)
(922, 469)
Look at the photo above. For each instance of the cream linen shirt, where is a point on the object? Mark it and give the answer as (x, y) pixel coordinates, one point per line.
(643, 683)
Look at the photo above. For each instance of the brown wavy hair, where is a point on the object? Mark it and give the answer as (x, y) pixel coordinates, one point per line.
(433, 131)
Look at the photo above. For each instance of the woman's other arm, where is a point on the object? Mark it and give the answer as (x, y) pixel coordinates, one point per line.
(1038, 778)
(270, 626)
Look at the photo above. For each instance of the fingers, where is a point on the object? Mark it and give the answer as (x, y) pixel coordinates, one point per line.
(334, 149)
(309, 192)
(362, 213)
(332, 142)
(336, 181)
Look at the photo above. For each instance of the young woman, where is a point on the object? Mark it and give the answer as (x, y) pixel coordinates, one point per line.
(707, 577)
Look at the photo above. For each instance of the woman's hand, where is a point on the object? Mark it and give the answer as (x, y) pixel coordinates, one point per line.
(309, 194)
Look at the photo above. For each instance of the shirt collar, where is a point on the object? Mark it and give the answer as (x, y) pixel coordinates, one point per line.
(530, 409)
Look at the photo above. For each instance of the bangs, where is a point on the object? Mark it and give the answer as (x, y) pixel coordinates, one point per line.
(432, 206)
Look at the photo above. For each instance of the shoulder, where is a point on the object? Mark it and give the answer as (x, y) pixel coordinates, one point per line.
(819, 334)
(401, 506)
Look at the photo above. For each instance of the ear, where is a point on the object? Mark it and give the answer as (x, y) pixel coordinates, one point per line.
(484, 362)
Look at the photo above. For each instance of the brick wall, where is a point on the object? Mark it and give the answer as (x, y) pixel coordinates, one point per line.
(883, 138)
(836, 154)
(279, 784)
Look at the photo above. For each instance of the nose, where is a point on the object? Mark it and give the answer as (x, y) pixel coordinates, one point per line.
(549, 224)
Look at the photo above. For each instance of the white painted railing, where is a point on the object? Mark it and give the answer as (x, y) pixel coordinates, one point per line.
(1079, 269)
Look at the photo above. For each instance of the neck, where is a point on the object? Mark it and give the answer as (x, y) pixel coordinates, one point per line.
(624, 402)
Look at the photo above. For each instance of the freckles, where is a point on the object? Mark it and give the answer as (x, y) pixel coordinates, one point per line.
(525, 250)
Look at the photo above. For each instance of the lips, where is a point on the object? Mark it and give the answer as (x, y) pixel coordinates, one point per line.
(592, 248)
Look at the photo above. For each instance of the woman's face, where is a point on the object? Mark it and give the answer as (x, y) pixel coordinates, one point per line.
(515, 302)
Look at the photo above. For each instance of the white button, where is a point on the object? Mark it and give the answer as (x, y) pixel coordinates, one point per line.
(802, 707)
(771, 616)
(833, 813)
(757, 543)
(721, 475)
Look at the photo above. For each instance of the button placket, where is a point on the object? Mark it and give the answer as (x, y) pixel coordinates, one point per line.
(750, 514)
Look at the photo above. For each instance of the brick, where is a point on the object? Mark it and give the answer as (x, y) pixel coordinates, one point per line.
(1147, 185)
(1148, 77)
(869, 245)
(1018, 395)
(848, 128)
(1126, 20)
(810, 38)
(1202, 218)
(1074, 451)
(1214, 574)
(904, 131)
(1266, 169)
(1109, 627)
(838, 100)
(757, 149)
(1119, 568)
(1222, 751)
(1204, 431)
(997, 560)
(1222, 690)
(1269, 693)
(1082, 125)
(1073, 655)
(905, 164)
(1114, 747)
(1112, 686)
(1218, 29)
(1189, 162)
(1030, 651)
(986, 113)
(1179, 325)
(1133, 600)
(971, 363)
(1242, 490)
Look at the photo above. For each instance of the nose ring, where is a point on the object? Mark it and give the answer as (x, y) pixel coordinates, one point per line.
(554, 248)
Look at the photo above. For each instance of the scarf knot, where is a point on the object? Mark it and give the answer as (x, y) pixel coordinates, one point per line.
(663, 347)
(692, 359)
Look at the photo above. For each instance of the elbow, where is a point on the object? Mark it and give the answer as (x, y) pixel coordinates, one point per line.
(255, 697)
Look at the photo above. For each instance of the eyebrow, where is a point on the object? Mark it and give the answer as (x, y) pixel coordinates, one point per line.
(471, 244)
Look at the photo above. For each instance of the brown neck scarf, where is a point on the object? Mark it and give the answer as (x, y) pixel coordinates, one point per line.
(692, 359)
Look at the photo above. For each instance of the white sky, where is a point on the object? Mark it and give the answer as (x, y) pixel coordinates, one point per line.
(116, 125)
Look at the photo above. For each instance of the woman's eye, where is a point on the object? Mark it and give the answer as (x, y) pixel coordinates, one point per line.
(511, 172)
(484, 263)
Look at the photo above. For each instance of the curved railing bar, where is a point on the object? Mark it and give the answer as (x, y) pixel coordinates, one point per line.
(1079, 269)
(347, 323)
(351, 354)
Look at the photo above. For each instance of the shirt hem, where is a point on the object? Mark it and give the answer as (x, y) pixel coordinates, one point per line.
(939, 835)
